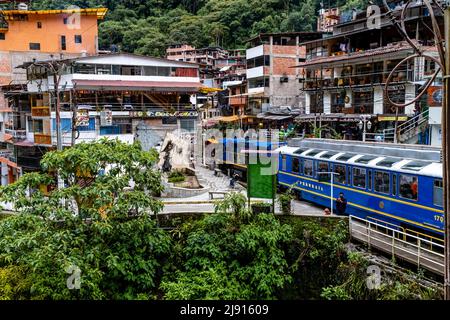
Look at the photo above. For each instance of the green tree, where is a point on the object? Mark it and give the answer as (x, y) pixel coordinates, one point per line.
(99, 222)
(232, 254)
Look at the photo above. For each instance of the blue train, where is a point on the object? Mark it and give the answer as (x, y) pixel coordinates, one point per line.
(234, 160)
(399, 186)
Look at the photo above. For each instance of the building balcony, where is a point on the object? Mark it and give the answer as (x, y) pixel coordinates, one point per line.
(355, 80)
(40, 112)
(18, 135)
(42, 139)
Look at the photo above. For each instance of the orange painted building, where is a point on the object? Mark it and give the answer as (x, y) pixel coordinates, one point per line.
(27, 35)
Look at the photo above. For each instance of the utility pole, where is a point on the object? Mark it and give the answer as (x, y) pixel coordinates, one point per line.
(445, 154)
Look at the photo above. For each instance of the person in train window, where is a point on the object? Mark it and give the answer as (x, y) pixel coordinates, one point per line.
(341, 204)
(414, 188)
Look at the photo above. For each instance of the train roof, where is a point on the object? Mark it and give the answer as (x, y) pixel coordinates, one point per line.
(252, 142)
(396, 162)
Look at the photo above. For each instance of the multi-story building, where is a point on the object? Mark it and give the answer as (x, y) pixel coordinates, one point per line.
(28, 34)
(120, 96)
(271, 76)
(346, 74)
(327, 19)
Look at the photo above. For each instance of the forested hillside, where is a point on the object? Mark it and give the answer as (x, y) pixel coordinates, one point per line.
(148, 26)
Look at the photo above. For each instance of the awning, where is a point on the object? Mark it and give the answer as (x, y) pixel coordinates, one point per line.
(9, 163)
(138, 85)
(213, 141)
(274, 117)
(209, 90)
(332, 117)
(25, 143)
(226, 68)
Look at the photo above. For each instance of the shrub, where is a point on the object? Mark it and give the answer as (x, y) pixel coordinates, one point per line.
(176, 176)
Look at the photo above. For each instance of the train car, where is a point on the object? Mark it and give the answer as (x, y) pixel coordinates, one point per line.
(234, 159)
(398, 186)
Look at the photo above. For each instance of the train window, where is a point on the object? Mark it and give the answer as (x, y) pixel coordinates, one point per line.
(299, 151)
(394, 184)
(416, 165)
(322, 167)
(438, 195)
(295, 165)
(365, 159)
(359, 178)
(408, 187)
(370, 180)
(283, 162)
(308, 168)
(381, 183)
(388, 162)
(328, 154)
(346, 156)
(341, 176)
(313, 153)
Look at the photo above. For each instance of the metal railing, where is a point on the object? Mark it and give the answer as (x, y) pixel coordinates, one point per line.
(407, 129)
(131, 106)
(17, 134)
(425, 253)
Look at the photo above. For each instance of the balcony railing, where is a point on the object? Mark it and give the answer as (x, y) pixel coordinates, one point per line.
(40, 111)
(356, 80)
(17, 134)
(42, 139)
(92, 106)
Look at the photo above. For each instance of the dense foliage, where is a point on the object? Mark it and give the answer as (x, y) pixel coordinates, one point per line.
(98, 224)
(148, 26)
(103, 224)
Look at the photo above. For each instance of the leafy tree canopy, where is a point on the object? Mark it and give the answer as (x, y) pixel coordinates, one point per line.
(148, 26)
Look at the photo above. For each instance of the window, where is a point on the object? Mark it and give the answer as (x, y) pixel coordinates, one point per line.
(322, 167)
(85, 68)
(259, 82)
(346, 156)
(2, 36)
(103, 69)
(408, 187)
(295, 165)
(65, 20)
(308, 168)
(258, 62)
(283, 162)
(438, 195)
(63, 43)
(341, 176)
(370, 180)
(39, 25)
(169, 120)
(382, 182)
(78, 38)
(35, 46)
(187, 124)
(359, 178)
(394, 184)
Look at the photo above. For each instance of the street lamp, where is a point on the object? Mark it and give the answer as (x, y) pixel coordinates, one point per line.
(332, 185)
(363, 124)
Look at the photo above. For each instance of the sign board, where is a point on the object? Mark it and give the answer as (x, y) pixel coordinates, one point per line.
(392, 118)
(260, 185)
(82, 118)
(106, 118)
(164, 114)
(435, 96)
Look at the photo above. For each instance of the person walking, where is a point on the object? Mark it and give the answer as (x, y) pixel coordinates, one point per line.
(341, 204)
